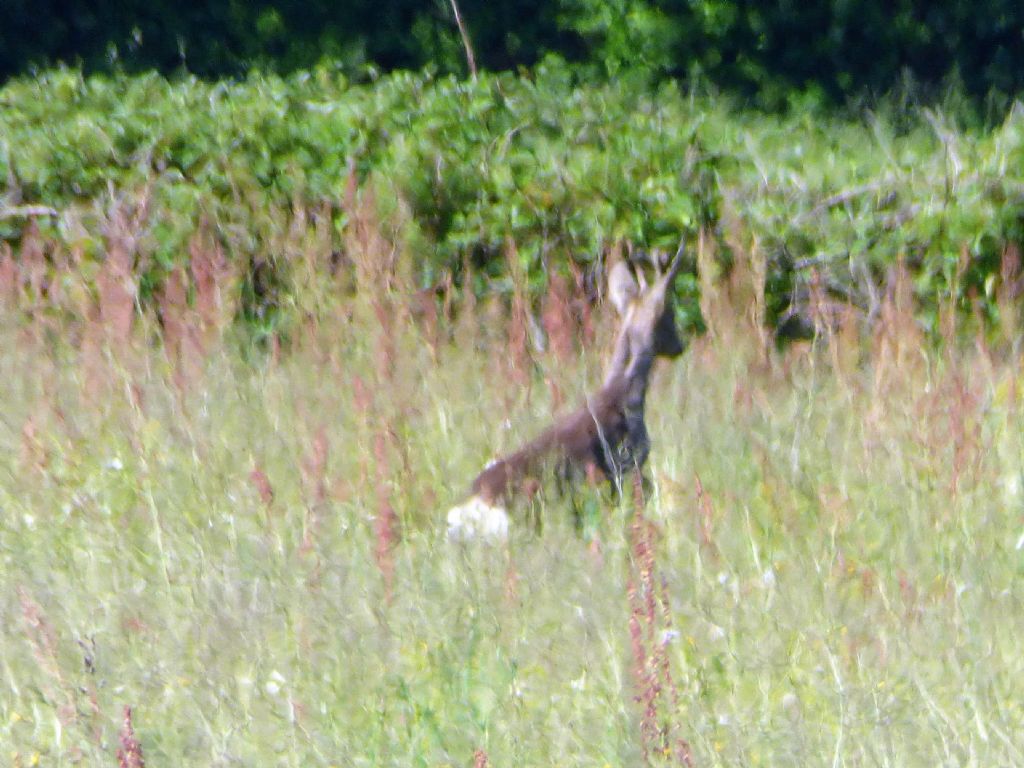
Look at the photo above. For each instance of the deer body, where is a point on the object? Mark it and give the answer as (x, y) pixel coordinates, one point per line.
(606, 436)
(582, 442)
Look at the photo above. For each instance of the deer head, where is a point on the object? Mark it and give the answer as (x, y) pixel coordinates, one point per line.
(648, 328)
(605, 437)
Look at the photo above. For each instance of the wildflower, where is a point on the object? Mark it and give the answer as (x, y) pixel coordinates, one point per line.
(274, 683)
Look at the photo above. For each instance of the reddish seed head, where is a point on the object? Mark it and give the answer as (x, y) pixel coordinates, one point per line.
(262, 485)
(8, 275)
(557, 319)
(130, 753)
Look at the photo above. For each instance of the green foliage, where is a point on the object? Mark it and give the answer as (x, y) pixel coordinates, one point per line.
(559, 168)
(562, 169)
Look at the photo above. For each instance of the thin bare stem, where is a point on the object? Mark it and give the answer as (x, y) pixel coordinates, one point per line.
(470, 58)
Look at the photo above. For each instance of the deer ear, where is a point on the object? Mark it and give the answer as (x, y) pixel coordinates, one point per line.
(668, 277)
(674, 267)
(622, 286)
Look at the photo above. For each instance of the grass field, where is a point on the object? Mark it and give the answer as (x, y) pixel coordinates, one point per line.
(248, 549)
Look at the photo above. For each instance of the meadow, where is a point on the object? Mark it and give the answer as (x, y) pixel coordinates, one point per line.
(227, 513)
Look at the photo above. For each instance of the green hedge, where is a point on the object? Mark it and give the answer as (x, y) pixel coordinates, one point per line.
(562, 168)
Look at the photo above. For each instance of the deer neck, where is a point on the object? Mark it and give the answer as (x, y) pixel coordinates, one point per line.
(638, 376)
(632, 362)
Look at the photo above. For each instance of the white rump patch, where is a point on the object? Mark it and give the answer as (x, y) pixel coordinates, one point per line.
(476, 519)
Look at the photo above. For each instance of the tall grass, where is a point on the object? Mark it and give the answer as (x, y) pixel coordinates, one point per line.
(247, 548)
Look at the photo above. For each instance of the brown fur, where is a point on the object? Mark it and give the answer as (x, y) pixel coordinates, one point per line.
(583, 439)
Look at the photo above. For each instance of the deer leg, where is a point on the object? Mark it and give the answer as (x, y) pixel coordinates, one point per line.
(577, 514)
(536, 518)
(637, 445)
(531, 490)
(593, 472)
(646, 486)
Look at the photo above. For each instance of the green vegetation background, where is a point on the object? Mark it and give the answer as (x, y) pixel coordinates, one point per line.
(563, 169)
(834, 49)
(594, 122)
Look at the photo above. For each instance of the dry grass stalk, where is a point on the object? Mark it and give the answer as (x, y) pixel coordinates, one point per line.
(708, 276)
(314, 468)
(581, 304)
(182, 343)
(213, 281)
(115, 283)
(898, 341)
(447, 298)
(93, 362)
(707, 516)
(129, 754)
(742, 320)
(9, 277)
(386, 347)
(467, 326)
(953, 411)
(261, 483)
(516, 356)
(557, 320)
(385, 521)
(560, 328)
(34, 455)
(380, 282)
(33, 265)
(1011, 286)
(362, 403)
(43, 639)
(845, 347)
(466, 44)
(754, 272)
(385, 527)
(424, 312)
(373, 257)
(651, 632)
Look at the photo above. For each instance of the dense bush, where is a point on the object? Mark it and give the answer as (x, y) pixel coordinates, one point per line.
(563, 170)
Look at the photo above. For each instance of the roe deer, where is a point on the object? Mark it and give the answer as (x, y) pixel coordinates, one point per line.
(606, 436)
